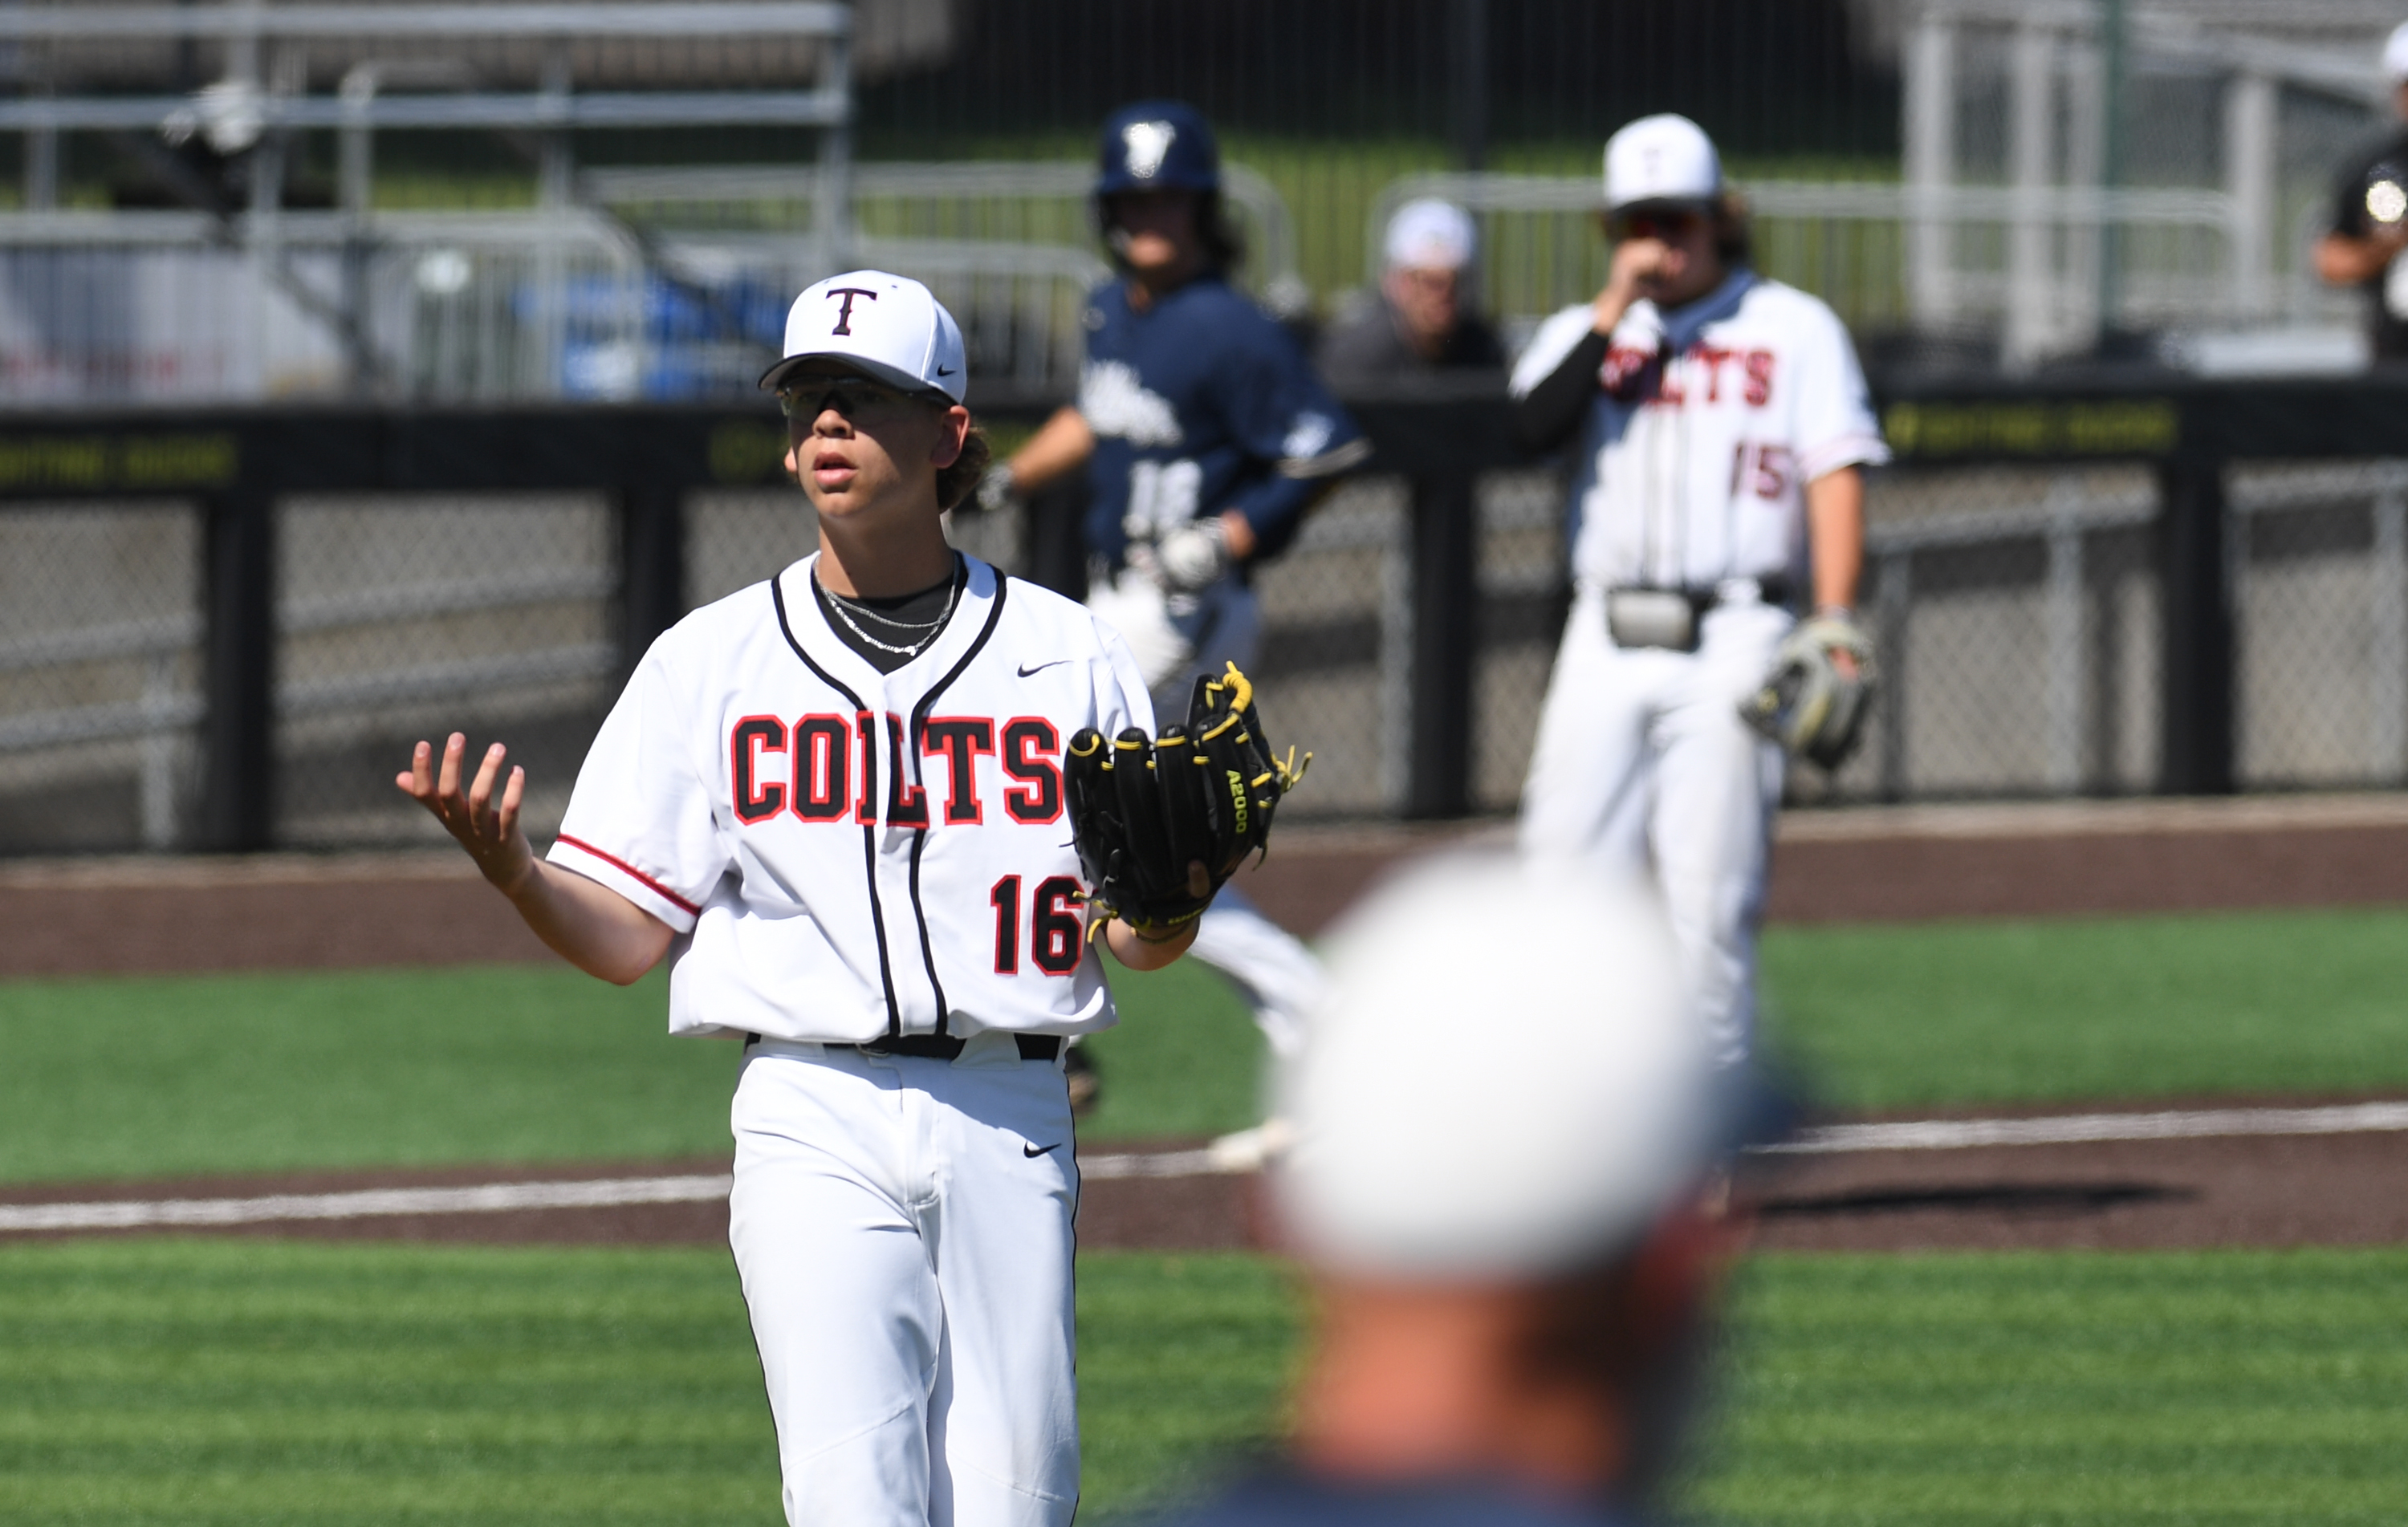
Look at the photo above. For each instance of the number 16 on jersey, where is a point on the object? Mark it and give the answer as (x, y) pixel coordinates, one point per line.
(1056, 931)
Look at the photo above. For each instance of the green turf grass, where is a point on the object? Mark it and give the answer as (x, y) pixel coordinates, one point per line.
(1185, 1060)
(2088, 1388)
(158, 1075)
(253, 1381)
(1901, 1016)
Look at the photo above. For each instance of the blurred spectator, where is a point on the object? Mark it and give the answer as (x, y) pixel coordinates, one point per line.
(2370, 222)
(1510, 1282)
(1421, 321)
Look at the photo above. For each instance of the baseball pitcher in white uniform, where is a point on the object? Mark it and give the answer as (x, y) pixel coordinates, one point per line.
(834, 802)
(1721, 422)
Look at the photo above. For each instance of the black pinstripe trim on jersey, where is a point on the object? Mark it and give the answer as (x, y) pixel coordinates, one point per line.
(868, 830)
(920, 834)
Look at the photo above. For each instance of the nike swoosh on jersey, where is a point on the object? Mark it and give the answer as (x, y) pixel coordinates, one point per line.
(1032, 1152)
(1043, 667)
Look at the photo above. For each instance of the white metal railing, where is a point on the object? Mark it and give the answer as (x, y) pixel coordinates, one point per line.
(994, 197)
(2068, 514)
(318, 306)
(1848, 242)
(573, 300)
(2049, 79)
(243, 26)
(161, 720)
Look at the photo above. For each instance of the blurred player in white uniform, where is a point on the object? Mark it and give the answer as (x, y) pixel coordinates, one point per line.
(834, 802)
(1721, 420)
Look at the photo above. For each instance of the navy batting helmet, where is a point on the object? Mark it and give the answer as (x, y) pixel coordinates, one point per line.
(1159, 145)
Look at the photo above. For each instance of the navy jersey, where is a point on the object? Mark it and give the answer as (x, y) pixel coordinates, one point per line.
(1200, 404)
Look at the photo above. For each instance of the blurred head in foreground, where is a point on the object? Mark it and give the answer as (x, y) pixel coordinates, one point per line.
(1505, 1119)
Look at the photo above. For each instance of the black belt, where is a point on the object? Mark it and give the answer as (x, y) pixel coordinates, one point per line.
(1702, 597)
(943, 1047)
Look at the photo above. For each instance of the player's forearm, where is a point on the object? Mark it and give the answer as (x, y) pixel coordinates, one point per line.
(587, 923)
(1060, 447)
(1546, 416)
(1273, 511)
(1835, 536)
(2345, 259)
(1145, 953)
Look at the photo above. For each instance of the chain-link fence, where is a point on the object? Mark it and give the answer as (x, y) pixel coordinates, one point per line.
(100, 685)
(2320, 572)
(407, 618)
(2016, 609)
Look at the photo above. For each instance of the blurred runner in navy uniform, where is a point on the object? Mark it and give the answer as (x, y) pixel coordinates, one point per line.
(1205, 437)
(1510, 1285)
(2370, 222)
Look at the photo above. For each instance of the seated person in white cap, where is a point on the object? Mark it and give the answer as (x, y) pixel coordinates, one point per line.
(1512, 1284)
(1422, 319)
(2370, 220)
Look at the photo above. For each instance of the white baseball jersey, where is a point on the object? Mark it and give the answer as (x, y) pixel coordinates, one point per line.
(848, 854)
(1706, 428)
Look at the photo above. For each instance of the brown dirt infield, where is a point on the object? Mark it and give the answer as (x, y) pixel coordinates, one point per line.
(69, 916)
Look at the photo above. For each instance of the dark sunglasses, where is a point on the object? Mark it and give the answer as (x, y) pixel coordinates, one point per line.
(805, 397)
(1671, 226)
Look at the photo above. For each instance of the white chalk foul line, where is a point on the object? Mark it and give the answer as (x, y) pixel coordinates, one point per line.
(613, 1192)
(1169, 1163)
(2087, 1128)
(489, 1198)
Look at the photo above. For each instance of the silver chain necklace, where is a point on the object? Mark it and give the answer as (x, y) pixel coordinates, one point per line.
(845, 612)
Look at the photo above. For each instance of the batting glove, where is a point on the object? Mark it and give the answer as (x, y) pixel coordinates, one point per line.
(1195, 556)
(994, 491)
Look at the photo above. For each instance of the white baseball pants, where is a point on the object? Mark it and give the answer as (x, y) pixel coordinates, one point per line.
(1177, 639)
(902, 1227)
(1643, 766)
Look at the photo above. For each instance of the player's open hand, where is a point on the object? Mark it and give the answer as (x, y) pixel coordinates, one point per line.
(488, 831)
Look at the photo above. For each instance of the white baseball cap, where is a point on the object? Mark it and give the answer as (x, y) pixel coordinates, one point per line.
(889, 327)
(2395, 54)
(1428, 233)
(1507, 1081)
(1664, 158)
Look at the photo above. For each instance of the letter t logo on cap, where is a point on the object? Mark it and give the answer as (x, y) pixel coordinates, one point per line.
(844, 314)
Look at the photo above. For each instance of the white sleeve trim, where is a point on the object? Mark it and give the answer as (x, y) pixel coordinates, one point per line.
(1846, 450)
(606, 869)
(1330, 463)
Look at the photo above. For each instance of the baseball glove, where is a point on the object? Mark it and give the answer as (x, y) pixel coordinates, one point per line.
(1143, 809)
(1810, 703)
